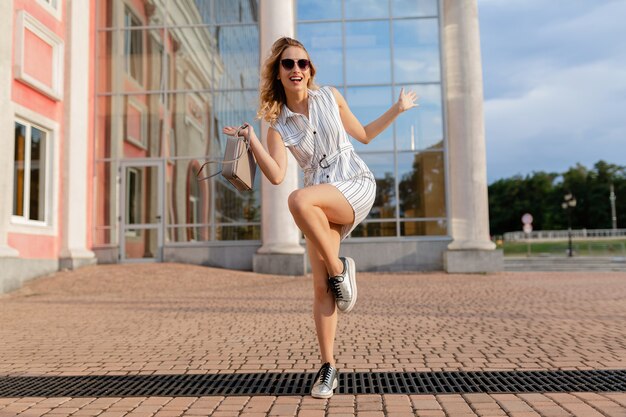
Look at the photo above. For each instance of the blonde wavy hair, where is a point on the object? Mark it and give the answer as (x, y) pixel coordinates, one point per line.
(272, 96)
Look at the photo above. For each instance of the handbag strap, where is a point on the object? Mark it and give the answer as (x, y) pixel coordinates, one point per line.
(215, 161)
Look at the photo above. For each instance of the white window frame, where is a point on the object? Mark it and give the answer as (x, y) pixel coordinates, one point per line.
(27, 22)
(127, 56)
(21, 224)
(52, 6)
(142, 142)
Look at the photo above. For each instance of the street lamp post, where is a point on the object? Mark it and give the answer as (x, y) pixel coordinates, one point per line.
(569, 202)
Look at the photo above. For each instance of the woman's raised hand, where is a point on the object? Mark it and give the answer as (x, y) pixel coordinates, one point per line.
(407, 100)
(243, 131)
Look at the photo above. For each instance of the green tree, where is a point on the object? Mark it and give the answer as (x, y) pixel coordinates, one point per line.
(541, 194)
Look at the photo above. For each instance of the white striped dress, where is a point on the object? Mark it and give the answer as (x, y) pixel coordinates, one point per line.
(321, 146)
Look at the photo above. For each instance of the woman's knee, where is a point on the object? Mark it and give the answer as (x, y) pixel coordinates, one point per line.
(297, 202)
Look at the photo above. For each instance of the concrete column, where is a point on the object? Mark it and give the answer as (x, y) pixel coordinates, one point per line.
(471, 249)
(281, 252)
(74, 252)
(7, 128)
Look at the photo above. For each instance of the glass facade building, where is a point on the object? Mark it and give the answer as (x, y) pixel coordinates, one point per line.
(172, 74)
(116, 104)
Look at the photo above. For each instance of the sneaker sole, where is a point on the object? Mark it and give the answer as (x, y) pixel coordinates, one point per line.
(352, 267)
(323, 396)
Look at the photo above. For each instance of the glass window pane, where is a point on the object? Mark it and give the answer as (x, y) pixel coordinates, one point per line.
(367, 53)
(188, 233)
(367, 104)
(37, 203)
(18, 169)
(188, 200)
(244, 232)
(416, 50)
(237, 63)
(313, 10)
(425, 228)
(231, 11)
(382, 166)
(375, 229)
(141, 243)
(421, 127)
(106, 203)
(323, 42)
(138, 67)
(414, 8)
(362, 9)
(421, 184)
(112, 13)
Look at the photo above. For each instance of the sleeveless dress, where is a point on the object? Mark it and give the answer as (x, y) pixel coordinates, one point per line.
(323, 150)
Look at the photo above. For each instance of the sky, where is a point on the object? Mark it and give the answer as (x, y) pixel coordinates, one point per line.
(554, 77)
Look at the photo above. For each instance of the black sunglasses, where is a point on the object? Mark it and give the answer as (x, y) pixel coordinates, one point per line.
(288, 64)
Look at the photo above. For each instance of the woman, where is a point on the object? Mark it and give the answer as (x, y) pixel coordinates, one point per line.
(339, 189)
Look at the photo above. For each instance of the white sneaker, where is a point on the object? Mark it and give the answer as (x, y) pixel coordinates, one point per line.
(343, 286)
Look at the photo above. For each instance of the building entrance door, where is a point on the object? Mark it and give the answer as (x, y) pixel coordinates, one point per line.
(141, 211)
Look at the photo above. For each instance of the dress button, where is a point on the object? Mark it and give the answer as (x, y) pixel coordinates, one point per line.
(327, 176)
(315, 132)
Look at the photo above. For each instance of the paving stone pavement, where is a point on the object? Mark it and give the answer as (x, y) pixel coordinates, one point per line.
(164, 319)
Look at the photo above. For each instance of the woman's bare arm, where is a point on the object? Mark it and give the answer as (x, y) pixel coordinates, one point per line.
(273, 161)
(365, 134)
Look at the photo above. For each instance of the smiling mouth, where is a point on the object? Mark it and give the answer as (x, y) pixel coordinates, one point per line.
(295, 79)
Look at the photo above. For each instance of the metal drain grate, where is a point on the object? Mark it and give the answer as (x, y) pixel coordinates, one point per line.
(291, 383)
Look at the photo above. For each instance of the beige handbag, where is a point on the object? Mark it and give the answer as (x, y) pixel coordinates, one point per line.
(238, 164)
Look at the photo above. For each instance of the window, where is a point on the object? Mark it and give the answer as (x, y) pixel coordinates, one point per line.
(133, 196)
(133, 47)
(30, 176)
(398, 40)
(52, 6)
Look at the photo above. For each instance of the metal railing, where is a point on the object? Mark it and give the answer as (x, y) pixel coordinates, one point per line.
(563, 234)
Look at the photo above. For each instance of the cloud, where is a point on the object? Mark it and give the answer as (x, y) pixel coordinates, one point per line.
(555, 84)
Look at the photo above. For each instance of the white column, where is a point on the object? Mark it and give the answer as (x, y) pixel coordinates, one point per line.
(279, 232)
(74, 250)
(7, 128)
(469, 214)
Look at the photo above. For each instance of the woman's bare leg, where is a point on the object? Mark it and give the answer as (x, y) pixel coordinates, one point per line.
(324, 311)
(314, 209)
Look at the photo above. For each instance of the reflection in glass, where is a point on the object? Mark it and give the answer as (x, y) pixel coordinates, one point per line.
(312, 10)
(138, 67)
(237, 63)
(416, 50)
(142, 193)
(133, 46)
(414, 8)
(323, 42)
(166, 94)
(421, 127)
(421, 184)
(375, 229)
(365, 9)
(104, 193)
(140, 244)
(382, 166)
(37, 174)
(424, 228)
(29, 172)
(367, 104)
(367, 53)
(19, 166)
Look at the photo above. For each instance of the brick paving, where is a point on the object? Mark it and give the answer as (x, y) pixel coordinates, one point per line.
(183, 319)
